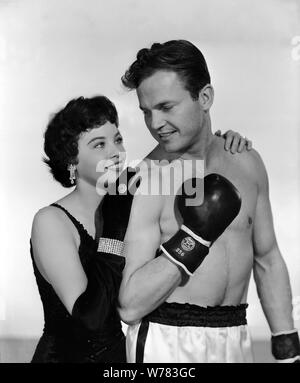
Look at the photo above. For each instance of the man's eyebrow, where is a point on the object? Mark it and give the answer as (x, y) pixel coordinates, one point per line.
(162, 104)
(159, 105)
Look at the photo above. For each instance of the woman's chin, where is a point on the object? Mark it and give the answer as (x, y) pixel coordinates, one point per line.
(104, 186)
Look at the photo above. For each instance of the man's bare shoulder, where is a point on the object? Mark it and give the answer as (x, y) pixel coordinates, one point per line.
(148, 171)
(251, 164)
(148, 199)
(247, 164)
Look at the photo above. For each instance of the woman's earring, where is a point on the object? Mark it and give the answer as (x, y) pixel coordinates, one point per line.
(72, 169)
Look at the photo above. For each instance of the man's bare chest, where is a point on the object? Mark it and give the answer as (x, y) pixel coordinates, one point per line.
(170, 219)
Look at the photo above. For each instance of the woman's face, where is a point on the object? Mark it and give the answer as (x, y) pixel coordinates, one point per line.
(101, 155)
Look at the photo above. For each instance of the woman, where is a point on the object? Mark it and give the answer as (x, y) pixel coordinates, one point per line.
(79, 285)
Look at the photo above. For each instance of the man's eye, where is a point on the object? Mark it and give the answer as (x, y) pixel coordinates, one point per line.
(119, 140)
(100, 145)
(166, 108)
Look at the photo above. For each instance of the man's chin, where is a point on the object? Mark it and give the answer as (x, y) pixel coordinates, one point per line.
(170, 148)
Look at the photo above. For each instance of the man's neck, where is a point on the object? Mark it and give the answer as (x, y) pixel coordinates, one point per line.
(202, 144)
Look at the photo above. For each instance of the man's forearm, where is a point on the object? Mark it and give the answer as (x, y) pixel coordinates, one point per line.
(147, 288)
(274, 290)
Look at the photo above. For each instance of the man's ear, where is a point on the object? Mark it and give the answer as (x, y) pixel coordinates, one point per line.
(206, 97)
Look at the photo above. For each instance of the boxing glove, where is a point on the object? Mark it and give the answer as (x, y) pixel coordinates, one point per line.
(202, 223)
(286, 347)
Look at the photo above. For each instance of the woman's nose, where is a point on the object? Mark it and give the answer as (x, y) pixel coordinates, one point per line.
(113, 151)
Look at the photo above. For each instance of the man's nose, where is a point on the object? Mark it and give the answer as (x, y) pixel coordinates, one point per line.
(157, 120)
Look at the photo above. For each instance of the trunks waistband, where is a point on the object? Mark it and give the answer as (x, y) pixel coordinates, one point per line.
(185, 314)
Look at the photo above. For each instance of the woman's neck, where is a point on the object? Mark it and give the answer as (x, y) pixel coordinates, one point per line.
(84, 199)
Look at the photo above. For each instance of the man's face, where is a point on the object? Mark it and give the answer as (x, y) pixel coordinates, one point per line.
(173, 118)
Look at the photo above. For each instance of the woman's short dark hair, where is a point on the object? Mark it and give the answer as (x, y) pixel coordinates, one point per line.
(64, 128)
(179, 56)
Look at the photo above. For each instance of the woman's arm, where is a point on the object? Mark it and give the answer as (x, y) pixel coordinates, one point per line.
(56, 255)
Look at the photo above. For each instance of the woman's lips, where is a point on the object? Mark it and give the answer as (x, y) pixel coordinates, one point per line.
(115, 166)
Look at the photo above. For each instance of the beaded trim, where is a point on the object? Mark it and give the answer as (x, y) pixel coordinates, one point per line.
(108, 245)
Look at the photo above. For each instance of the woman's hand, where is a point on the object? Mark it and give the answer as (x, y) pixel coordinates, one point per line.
(234, 141)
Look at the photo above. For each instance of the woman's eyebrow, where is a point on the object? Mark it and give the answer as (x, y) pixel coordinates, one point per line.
(97, 138)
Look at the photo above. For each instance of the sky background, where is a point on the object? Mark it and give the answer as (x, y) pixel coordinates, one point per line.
(52, 51)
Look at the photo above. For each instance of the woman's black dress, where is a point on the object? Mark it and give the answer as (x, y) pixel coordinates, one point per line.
(93, 333)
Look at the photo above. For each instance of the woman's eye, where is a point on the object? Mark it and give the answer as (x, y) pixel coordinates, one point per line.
(100, 145)
(119, 140)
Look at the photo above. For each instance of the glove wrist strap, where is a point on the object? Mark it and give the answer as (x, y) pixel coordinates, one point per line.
(185, 251)
(195, 236)
(284, 332)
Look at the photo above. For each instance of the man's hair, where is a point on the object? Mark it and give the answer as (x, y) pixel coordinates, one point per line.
(64, 128)
(179, 56)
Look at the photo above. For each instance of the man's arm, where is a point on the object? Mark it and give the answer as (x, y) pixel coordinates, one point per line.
(147, 281)
(270, 271)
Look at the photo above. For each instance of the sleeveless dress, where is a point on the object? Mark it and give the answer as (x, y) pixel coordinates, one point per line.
(65, 338)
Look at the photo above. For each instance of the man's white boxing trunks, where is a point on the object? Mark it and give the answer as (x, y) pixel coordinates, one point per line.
(185, 333)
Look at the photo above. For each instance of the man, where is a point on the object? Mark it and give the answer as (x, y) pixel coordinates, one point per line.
(173, 316)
